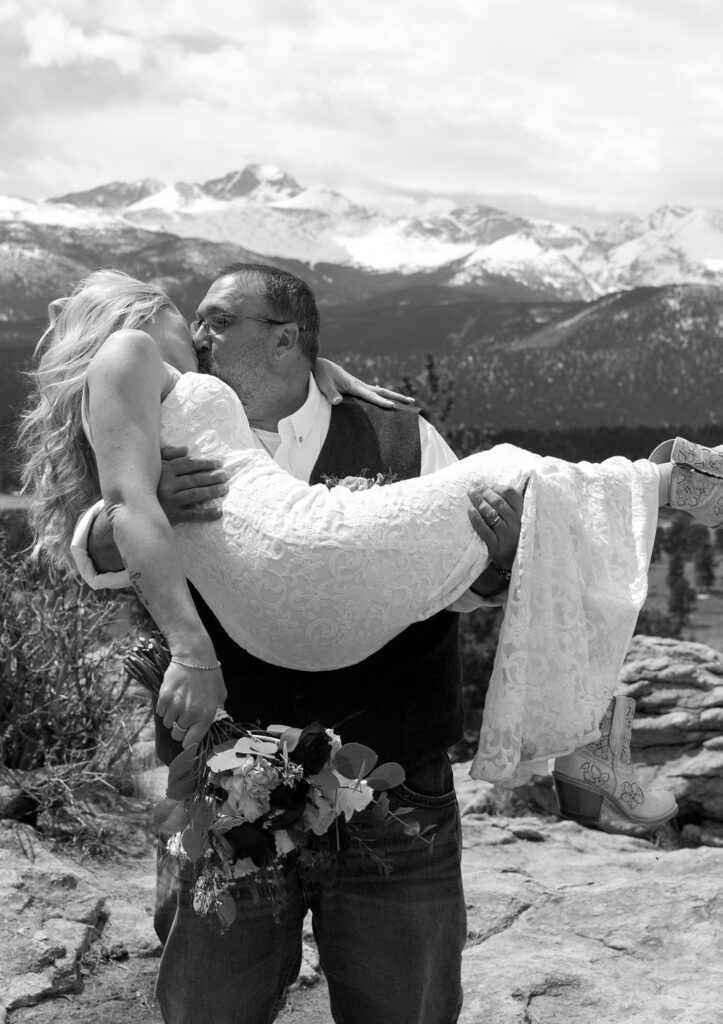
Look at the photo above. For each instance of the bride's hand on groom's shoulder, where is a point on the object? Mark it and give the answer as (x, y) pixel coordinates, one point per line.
(334, 382)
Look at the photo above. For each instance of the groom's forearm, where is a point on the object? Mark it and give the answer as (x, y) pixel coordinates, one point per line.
(102, 547)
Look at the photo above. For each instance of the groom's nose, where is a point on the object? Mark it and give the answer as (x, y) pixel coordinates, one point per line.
(201, 339)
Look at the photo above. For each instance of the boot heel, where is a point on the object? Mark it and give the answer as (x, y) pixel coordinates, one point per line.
(577, 803)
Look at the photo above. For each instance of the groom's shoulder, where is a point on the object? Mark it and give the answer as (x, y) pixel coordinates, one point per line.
(370, 409)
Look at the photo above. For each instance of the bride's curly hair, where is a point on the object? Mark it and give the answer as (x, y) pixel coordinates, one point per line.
(59, 470)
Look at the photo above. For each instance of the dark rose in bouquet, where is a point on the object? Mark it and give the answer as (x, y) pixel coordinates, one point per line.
(250, 840)
(310, 747)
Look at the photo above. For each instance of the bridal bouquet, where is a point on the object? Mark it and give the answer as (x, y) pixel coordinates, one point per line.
(245, 799)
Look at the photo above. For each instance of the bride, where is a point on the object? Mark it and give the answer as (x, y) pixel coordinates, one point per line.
(317, 578)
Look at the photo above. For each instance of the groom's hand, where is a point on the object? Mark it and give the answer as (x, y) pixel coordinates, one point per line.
(187, 484)
(496, 516)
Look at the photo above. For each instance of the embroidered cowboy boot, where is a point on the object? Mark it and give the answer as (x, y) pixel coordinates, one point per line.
(603, 771)
(696, 479)
(687, 453)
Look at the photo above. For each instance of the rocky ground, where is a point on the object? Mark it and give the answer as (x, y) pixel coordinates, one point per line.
(565, 925)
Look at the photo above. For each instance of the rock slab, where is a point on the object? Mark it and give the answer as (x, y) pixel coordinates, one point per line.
(52, 913)
(564, 925)
(586, 927)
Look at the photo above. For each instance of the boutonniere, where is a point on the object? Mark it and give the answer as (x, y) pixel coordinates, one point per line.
(361, 482)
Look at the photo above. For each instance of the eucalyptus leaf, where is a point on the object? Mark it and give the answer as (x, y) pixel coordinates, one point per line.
(354, 760)
(256, 745)
(162, 811)
(193, 844)
(289, 737)
(175, 820)
(226, 910)
(326, 781)
(277, 730)
(202, 815)
(183, 774)
(386, 776)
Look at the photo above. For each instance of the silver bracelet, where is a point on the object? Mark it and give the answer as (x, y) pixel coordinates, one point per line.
(198, 668)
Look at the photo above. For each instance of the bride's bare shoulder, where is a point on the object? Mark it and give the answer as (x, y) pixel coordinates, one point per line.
(128, 351)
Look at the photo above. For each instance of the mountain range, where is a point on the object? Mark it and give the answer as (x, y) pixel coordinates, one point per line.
(542, 322)
(263, 210)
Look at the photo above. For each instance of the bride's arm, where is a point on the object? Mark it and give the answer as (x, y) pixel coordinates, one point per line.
(125, 381)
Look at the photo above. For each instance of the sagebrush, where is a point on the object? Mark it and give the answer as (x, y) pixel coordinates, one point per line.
(69, 715)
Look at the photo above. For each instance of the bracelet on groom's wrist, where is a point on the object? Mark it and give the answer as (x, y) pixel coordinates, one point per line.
(504, 573)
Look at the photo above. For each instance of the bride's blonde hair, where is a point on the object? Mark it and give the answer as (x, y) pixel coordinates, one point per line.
(59, 470)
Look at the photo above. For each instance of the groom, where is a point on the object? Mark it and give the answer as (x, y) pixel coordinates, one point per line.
(390, 944)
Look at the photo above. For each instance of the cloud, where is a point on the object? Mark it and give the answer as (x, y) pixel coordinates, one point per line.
(615, 102)
(52, 40)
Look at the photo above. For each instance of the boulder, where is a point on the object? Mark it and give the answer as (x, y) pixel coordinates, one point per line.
(678, 730)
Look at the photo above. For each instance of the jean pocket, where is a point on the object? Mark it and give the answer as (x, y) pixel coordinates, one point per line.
(406, 796)
(430, 784)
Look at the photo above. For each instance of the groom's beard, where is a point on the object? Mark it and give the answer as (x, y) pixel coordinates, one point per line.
(248, 384)
(210, 365)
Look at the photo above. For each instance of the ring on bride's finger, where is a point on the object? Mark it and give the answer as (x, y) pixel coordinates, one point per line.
(495, 522)
(178, 728)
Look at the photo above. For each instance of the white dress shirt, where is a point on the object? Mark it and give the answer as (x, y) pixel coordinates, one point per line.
(296, 448)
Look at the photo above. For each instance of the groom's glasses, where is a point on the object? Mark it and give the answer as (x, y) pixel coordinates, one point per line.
(217, 323)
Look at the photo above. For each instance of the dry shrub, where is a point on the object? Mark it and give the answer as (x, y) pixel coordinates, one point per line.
(69, 715)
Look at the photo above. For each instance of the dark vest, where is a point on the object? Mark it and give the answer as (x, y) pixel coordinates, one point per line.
(405, 700)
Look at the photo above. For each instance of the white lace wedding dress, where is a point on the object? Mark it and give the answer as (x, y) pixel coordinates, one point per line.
(313, 578)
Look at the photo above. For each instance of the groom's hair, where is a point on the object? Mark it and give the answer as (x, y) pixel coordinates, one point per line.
(287, 296)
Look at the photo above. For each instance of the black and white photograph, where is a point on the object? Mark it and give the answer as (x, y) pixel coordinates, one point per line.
(361, 512)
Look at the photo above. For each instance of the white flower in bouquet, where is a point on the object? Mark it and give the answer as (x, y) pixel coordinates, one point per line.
(284, 843)
(249, 788)
(352, 798)
(242, 867)
(174, 846)
(335, 744)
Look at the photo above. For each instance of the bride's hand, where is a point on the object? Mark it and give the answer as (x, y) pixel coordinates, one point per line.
(188, 701)
(334, 381)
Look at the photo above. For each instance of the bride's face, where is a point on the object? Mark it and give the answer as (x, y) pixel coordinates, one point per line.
(172, 335)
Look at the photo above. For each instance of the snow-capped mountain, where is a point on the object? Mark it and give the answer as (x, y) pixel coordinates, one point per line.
(263, 210)
(113, 196)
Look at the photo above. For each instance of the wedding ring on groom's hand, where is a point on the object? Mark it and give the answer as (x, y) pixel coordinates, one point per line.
(495, 522)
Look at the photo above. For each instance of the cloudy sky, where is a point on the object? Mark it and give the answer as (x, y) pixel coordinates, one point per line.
(616, 104)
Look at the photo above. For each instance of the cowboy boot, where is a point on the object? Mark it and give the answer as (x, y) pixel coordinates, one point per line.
(699, 495)
(603, 771)
(708, 461)
(696, 479)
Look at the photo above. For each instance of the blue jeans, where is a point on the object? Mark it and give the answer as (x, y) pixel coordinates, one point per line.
(390, 945)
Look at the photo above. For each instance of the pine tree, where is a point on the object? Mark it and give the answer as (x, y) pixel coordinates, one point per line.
(704, 565)
(682, 596)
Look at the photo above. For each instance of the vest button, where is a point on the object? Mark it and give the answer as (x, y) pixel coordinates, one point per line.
(299, 695)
